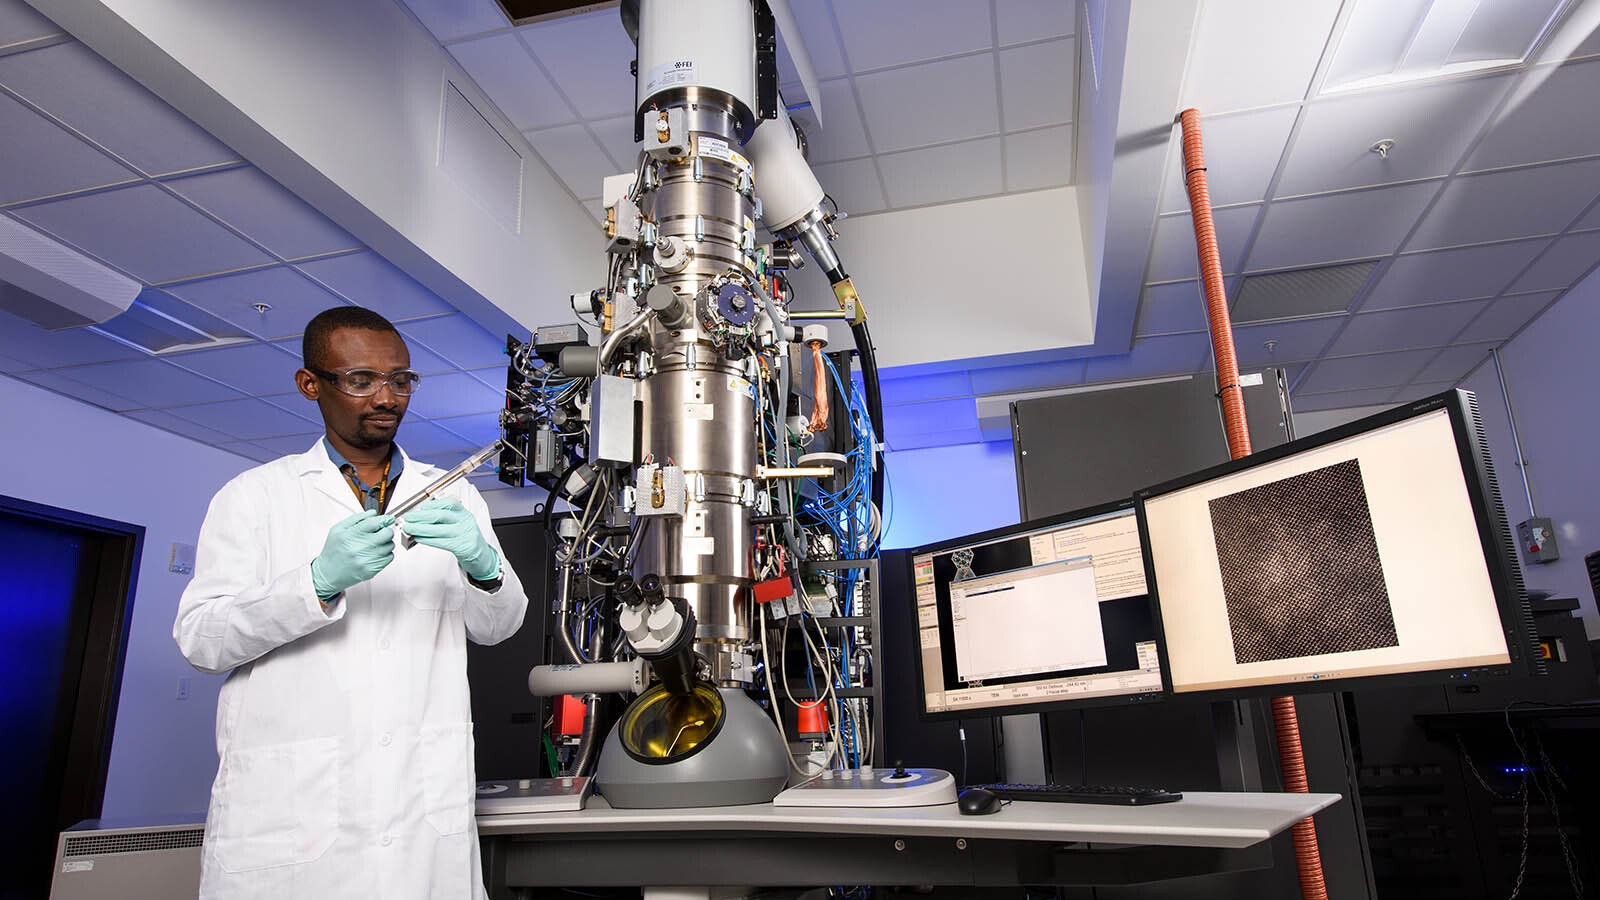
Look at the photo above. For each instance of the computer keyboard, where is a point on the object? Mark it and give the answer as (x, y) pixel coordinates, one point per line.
(1083, 793)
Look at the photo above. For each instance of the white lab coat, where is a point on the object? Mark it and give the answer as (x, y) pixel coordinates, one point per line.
(345, 737)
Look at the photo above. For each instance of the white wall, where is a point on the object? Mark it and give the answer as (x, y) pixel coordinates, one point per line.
(945, 492)
(1553, 373)
(74, 456)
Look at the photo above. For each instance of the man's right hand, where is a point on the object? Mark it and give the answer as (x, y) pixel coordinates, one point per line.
(357, 548)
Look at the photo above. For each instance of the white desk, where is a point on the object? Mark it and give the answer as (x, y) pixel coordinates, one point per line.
(1025, 843)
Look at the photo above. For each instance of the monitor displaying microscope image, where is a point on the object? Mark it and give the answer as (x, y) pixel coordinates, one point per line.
(1376, 550)
(1037, 616)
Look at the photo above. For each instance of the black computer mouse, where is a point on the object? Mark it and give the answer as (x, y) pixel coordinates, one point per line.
(978, 802)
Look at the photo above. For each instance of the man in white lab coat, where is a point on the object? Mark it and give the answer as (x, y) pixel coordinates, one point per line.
(344, 729)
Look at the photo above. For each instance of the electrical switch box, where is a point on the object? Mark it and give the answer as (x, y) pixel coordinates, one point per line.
(1537, 538)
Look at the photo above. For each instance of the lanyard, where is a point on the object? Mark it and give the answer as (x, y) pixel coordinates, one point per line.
(383, 485)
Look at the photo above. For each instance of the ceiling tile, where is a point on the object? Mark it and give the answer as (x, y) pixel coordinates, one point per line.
(94, 98)
(1039, 159)
(922, 441)
(1431, 127)
(1020, 21)
(1567, 260)
(1172, 308)
(936, 386)
(506, 72)
(1253, 53)
(1453, 363)
(259, 207)
(892, 32)
(20, 23)
(427, 442)
(1462, 274)
(1037, 84)
(901, 111)
(1351, 373)
(478, 430)
(1506, 316)
(458, 339)
(970, 169)
(293, 297)
(1405, 329)
(77, 390)
(151, 383)
(248, 368)
(448, 19)
(822, 45)
(1338, 226)
(853, 184)
(1296, 340)
(44, 159)
(1421, 389)
(144, 231)
(1163, 355)
(7, 364)
(454, 394)
(1537, 122)
(1031, 377)
(841, 134)
(166, 421)
(1342, 400)
(616, 138)
(290, 444)
(588, 57)
(1173, 254)
(1508, 204)
(25, 341)
(1242, 152)
(250, 418)
(367, 279)
(1591, 220)
(575, 156)
(933, 416)
(249, 451)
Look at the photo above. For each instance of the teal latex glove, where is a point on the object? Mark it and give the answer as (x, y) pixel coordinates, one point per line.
(357, 548)
(446, 524)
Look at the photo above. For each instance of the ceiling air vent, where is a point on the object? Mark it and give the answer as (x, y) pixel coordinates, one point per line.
(1300, 293)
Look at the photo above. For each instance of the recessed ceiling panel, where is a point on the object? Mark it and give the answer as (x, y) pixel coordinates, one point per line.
(1039, 159)
(289, 444)
(293, 299)
(1453, 363)
(855, 180)
(1031, 377)
(1172, 354)
(20, 23)
(454, 394)
(166, 421)
(841, 134)
(145, 232)
(1431, 127)
(588, 56)
(1342, 399)
(94, 98)
(151, 383)
(930, 103)
(431, 444)
(1301, 292)
(616, 137)
(1021, 21)
(77, 390)
(1405, 329)
(1037, 84)
(477, 430)
(505, 70)
(1274, 343)
(367, 279)
(1173, 255)
(1338, 227)
(42, 159)
(249, 451)
(250, 418)
(894, 32)
(1508, 204)
(1538, 123)
(1242, 152)
(1462, 274)
(816, 30)
(25, 341)
(251, 368)
(1350, 373)
(1506, 316)
(248, 200)
(450, 19)
(1568, 259)
(969, 169)
(1250, 53)
(574, 154)
(1172, 308)
(458, 339)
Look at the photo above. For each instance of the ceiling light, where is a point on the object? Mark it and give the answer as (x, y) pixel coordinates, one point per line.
(55, 286)
(1388, 42)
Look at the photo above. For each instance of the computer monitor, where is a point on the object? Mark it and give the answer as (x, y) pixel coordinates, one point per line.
(1033, 617)
(1376, 550)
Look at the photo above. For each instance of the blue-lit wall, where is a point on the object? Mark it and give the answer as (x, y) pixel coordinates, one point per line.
(943, 492)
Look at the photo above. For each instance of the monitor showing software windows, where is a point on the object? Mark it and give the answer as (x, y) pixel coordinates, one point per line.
(1036, 616)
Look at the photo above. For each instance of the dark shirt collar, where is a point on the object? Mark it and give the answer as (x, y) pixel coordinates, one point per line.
(397, 462)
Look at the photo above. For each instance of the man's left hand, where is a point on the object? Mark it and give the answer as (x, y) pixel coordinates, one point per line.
(446, 524)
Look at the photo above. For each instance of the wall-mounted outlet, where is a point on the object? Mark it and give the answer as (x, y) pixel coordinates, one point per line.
(182, 559)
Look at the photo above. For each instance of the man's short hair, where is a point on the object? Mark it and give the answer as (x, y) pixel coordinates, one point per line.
(317, 343)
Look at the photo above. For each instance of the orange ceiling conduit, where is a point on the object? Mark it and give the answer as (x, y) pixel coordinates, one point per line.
(1286, 722)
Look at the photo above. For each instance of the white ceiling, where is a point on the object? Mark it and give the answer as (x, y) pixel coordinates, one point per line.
(1481, 215)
